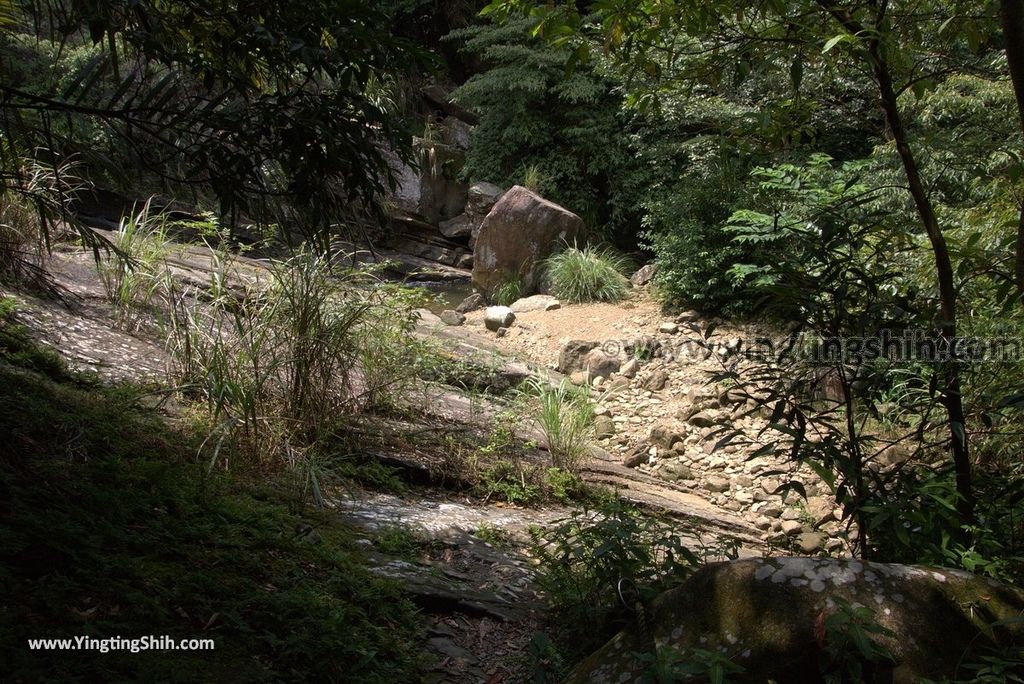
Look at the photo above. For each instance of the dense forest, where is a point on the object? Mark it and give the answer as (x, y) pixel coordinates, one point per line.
(842, 176)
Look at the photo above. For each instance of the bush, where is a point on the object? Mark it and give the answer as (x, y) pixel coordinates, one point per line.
(566, 415)
(135, 275)
(587, 275)
(280, 366)
(584, 558)
(507, 292)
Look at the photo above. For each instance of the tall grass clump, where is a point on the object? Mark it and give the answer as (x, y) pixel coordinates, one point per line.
(587, 275)
(28, 202)
(507, 292)
(134, 273)
(280, 364)
(566, 416)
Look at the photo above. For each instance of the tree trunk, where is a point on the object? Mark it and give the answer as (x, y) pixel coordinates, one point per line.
(1011, 12)
(949, 373)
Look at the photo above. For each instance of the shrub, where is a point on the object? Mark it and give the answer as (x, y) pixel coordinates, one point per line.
(29, 202)
(279, 367)
(135, 275)
(587, 275)
(566, 415)
(507, 292)
(584, 557)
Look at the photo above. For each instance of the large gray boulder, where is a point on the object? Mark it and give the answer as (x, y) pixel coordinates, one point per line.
(771, 617)
(520, 231)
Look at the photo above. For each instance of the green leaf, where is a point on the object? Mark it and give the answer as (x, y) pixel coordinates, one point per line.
(796, 73)
(835, 40)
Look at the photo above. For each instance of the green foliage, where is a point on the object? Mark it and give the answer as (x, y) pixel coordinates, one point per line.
(210, 95)
(134, 273)
(110, 529)
(511, 481)
(584, 557)
(539, 124)
(495, 536)
(566, 415)
(276, 368)
(507, 292)
(587, 275)
(695, 664)
(850, 651)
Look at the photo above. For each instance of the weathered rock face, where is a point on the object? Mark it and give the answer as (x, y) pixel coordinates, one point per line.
(598, 364)
(481, 198)
(519, 232)
(570, 358)
(766, 615)
(432, 192)
(644, 276)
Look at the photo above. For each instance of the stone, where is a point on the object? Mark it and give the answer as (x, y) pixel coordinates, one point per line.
(630, 368)
(450, 317)
(481, 197)
(465, 262)
(579, 378)
(657, 380)
(636, 457)
(425, 195)
(791, 514)
(617, 384)
(498, 317)
(501, 332)
(520, 231)
(668, 328)
(810, 542)
(471, 303)
(599, 364)
(687, 317)
(717, 484)
(570, 358)
(604, 427)
(428, 317)
(644, 275)
(457, 228)
(819, 509)
(674, 471)
(702, 419)
(744, 497)
(534, 303)
(553, 306)
(665, 436)
(772, 510)
(763, 522)
(791, 528)
(743, 481)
